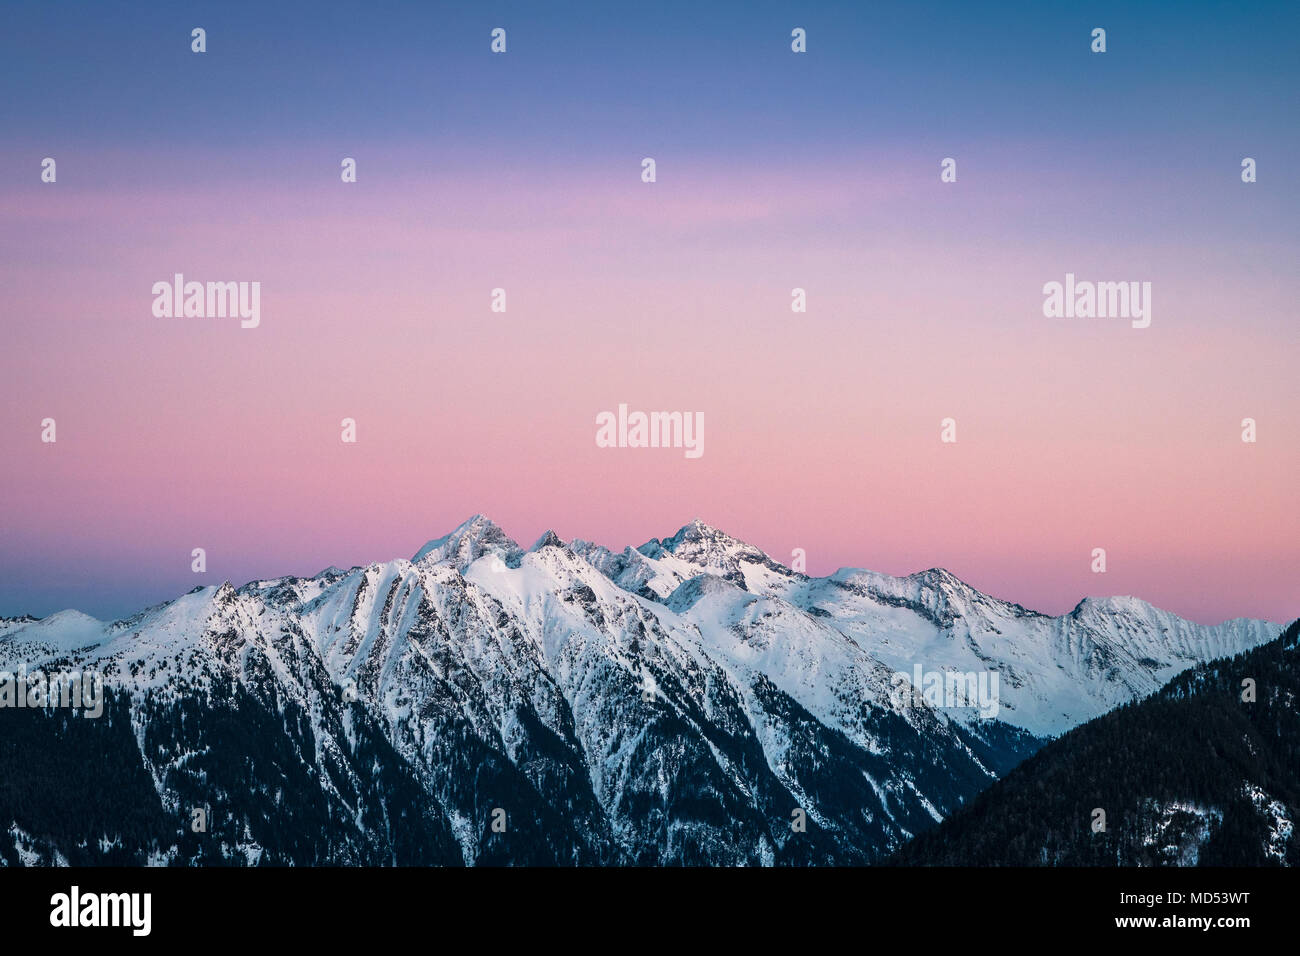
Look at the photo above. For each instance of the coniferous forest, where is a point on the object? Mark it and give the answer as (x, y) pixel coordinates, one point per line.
(1197, 774)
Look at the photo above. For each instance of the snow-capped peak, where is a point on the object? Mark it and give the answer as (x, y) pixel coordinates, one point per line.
(699, 548)
(938, 576)
(64, 630)
(696, 539)
(548, 540)
(472, 539)
(1116, 604)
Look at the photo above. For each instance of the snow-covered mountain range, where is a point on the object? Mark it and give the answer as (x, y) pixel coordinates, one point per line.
(680, 702)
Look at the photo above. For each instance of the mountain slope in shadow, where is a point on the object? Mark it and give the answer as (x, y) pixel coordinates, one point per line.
(1204, 772)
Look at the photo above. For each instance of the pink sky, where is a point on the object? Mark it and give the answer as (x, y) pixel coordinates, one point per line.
(821, 429)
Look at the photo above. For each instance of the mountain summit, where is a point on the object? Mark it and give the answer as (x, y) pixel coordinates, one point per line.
(472, 539)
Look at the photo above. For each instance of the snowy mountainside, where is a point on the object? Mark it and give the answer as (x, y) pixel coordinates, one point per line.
(482, 703)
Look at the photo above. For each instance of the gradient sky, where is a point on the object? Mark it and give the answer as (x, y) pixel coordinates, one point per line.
(775, 170)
